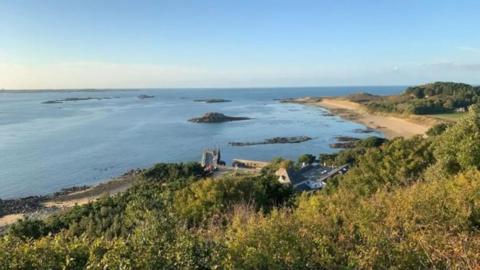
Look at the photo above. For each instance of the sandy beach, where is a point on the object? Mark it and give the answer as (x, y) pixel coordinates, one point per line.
(390, 125)
(9, 219)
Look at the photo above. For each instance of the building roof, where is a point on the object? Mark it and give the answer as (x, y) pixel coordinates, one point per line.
(290, 175)
(303, 187)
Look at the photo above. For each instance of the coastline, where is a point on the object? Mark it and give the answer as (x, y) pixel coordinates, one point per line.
(51, 204)
(390, 125)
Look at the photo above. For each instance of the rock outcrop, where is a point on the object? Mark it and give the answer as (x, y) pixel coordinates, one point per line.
(214, 117)
(364, 130)
(21, 205)
(275, 140)
(344, 142)
(74, 99)
(145, 96)
(212, 100)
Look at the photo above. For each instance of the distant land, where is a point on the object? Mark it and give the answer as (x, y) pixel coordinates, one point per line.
(411, 113)
(192, 88)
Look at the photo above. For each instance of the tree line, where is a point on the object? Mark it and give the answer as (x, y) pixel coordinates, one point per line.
(433, 98)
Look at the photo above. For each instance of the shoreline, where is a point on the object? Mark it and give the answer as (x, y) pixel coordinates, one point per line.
(390, 125)
(51, 204)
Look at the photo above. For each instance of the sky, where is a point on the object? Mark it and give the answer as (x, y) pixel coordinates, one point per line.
(53, 44)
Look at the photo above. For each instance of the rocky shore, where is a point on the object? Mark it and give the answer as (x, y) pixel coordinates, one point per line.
(344, 142)
(214, 117)
(21, 205)
(34, 203)
(66, 191)
(364, 130)
(41, 206)
(275, 140)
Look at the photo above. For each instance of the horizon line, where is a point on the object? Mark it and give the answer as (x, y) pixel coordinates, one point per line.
(199, 88)
(223, 87)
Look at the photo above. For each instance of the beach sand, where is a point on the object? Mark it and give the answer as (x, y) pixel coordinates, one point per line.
(65, 202)
(390, 125)
(85, 196)
(9, 219)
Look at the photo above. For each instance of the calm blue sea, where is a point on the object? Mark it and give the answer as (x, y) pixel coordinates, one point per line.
(46, 147)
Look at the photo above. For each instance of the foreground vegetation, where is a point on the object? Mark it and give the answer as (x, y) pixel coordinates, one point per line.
(434, 98)
(405, 204)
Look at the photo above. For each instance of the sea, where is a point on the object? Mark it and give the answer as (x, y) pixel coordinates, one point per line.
(47, 147)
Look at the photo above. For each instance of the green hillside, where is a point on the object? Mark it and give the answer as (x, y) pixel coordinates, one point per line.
(433, 98)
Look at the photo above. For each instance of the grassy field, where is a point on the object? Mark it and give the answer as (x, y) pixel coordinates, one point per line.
(448, 116)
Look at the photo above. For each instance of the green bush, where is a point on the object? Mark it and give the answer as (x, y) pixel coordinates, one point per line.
(437, 129)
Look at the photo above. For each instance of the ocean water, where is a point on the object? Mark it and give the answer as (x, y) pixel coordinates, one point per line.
(46, 147)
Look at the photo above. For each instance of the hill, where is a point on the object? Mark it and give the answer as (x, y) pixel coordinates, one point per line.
(433, 98)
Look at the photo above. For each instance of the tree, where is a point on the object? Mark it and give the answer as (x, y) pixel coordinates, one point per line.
(458, 148)
(306, 158)
(29, 228)
(437, 129)
(168, 171)
(327, 159)
(371, 141)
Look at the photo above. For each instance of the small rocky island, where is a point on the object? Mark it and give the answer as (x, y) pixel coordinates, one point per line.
(145, 96)
(212, 100)
(52, 102)
(275, 140)
(215, 117)
(74, 99)
(303, 100)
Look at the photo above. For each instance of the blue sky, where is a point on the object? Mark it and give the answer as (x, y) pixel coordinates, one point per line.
(119, 44)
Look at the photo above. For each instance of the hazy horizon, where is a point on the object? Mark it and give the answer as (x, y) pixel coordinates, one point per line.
(198, 88)
(200, 44)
